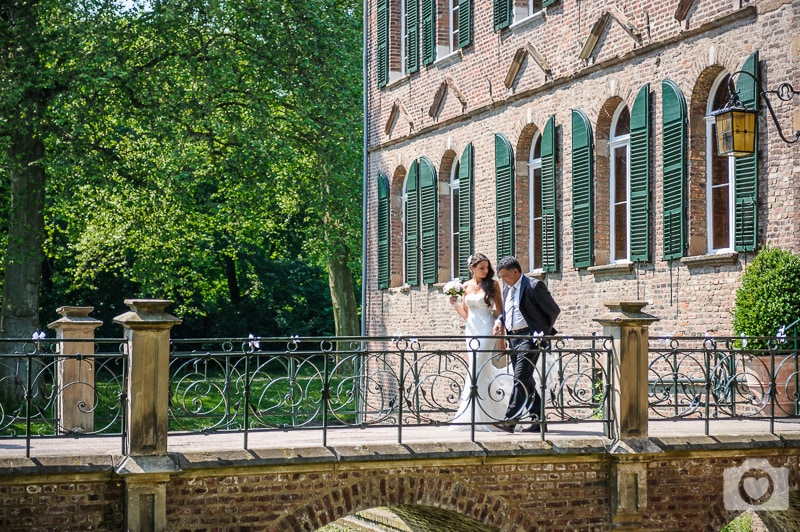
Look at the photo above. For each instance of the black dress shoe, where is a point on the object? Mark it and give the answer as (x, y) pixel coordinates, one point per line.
(536, 427)
(505, 427)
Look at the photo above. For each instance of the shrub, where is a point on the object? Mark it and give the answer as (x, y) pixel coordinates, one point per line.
(770, 293)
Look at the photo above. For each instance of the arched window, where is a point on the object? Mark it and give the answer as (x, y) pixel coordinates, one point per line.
(411, 227)
(384, 232)
(535, 203)
(454, 226)
(719, 177)
(619, 144)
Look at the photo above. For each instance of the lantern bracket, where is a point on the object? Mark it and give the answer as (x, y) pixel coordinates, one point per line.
(784, 92)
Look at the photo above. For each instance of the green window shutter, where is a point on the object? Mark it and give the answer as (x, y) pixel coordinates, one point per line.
(383, 231)
(464, 22)
(383, 43)
(428, 13)
(640, 176)
(674, 163)
(412, 226)
(746, 168)
(412, 35)
(429, 200)
(546, 3)
(502, 14)
(465, 211)
(582, 191)
(504, 175)
(549, 220)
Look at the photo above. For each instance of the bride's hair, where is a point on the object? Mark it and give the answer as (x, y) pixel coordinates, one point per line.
(487, 283)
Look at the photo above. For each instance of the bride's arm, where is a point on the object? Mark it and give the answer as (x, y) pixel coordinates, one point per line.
(498, 305)
(460, 306)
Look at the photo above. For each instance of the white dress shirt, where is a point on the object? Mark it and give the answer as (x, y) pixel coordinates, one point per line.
(514, 318)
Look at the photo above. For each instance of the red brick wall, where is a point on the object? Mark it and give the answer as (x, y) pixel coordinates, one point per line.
(523, 487)
(506, 496)
(688, 299)
(75, 504)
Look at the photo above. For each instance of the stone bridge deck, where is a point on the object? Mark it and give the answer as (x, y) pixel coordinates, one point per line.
(573, 479)
(290, 446)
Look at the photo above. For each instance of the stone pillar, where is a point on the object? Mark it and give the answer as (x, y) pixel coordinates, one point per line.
(147, 468)
(147, 328)
(628, 326)
(75, 373)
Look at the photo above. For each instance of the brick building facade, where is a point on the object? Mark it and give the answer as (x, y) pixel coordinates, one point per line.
(573, 135)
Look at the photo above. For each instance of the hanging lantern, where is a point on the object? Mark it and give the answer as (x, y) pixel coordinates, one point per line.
(736, 131)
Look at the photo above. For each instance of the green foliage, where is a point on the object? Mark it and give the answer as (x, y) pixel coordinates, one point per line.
(742, 523)
(770, 293)
(188, 160)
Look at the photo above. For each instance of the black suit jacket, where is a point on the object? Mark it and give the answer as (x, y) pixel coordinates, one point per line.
(537, 305)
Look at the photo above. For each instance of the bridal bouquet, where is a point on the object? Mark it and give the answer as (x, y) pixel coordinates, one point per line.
(453, 288)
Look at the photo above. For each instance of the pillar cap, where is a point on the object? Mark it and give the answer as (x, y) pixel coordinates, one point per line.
(625, 312)
(72, 316)
(147, 313)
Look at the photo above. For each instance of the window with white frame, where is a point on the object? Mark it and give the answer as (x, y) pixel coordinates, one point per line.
(526, 8)
(719, 178)
(454, 221)
(535, 203)
(404, 211)
(447, 28)
(403, 39)
(619, 144)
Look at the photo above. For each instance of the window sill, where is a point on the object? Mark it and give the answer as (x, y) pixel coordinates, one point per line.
(611, 270)
(401, 80)
(537, 274)
(449, 59)
(405, 289)
(528, 21)
(716, 259)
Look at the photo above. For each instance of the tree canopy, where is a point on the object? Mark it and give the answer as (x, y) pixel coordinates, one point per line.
(206, 152)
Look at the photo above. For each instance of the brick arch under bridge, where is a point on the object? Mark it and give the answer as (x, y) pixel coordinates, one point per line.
(567, 485)
(425, 501)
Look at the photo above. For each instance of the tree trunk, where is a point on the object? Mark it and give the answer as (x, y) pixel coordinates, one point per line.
(340, 280)
(19, 317)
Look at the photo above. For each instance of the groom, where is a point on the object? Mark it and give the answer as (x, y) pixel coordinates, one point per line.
(528, 308)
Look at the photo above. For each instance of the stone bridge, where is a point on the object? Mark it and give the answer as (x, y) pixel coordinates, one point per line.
(637, 474)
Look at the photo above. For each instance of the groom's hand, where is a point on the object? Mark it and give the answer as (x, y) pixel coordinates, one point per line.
(497, 329)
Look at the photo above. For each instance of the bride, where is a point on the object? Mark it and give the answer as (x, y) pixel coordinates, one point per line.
(481, 296)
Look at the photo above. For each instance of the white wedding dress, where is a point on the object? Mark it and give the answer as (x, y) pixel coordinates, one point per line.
(494, 385)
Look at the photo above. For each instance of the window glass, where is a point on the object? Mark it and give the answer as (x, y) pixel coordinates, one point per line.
(526, 8)
(619, 186)
(719, 173)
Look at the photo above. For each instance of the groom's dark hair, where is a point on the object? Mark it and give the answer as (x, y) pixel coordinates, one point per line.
(509, 263)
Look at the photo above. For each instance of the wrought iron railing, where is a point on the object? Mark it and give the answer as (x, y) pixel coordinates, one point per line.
(258, 384)
(711, 378)
(247, 385)
(45, 393)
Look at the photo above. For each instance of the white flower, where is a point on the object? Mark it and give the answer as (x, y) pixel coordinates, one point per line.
(40, 335)
(453, 288)
(254, 344)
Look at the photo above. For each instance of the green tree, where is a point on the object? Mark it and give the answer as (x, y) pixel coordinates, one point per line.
(183, 154)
